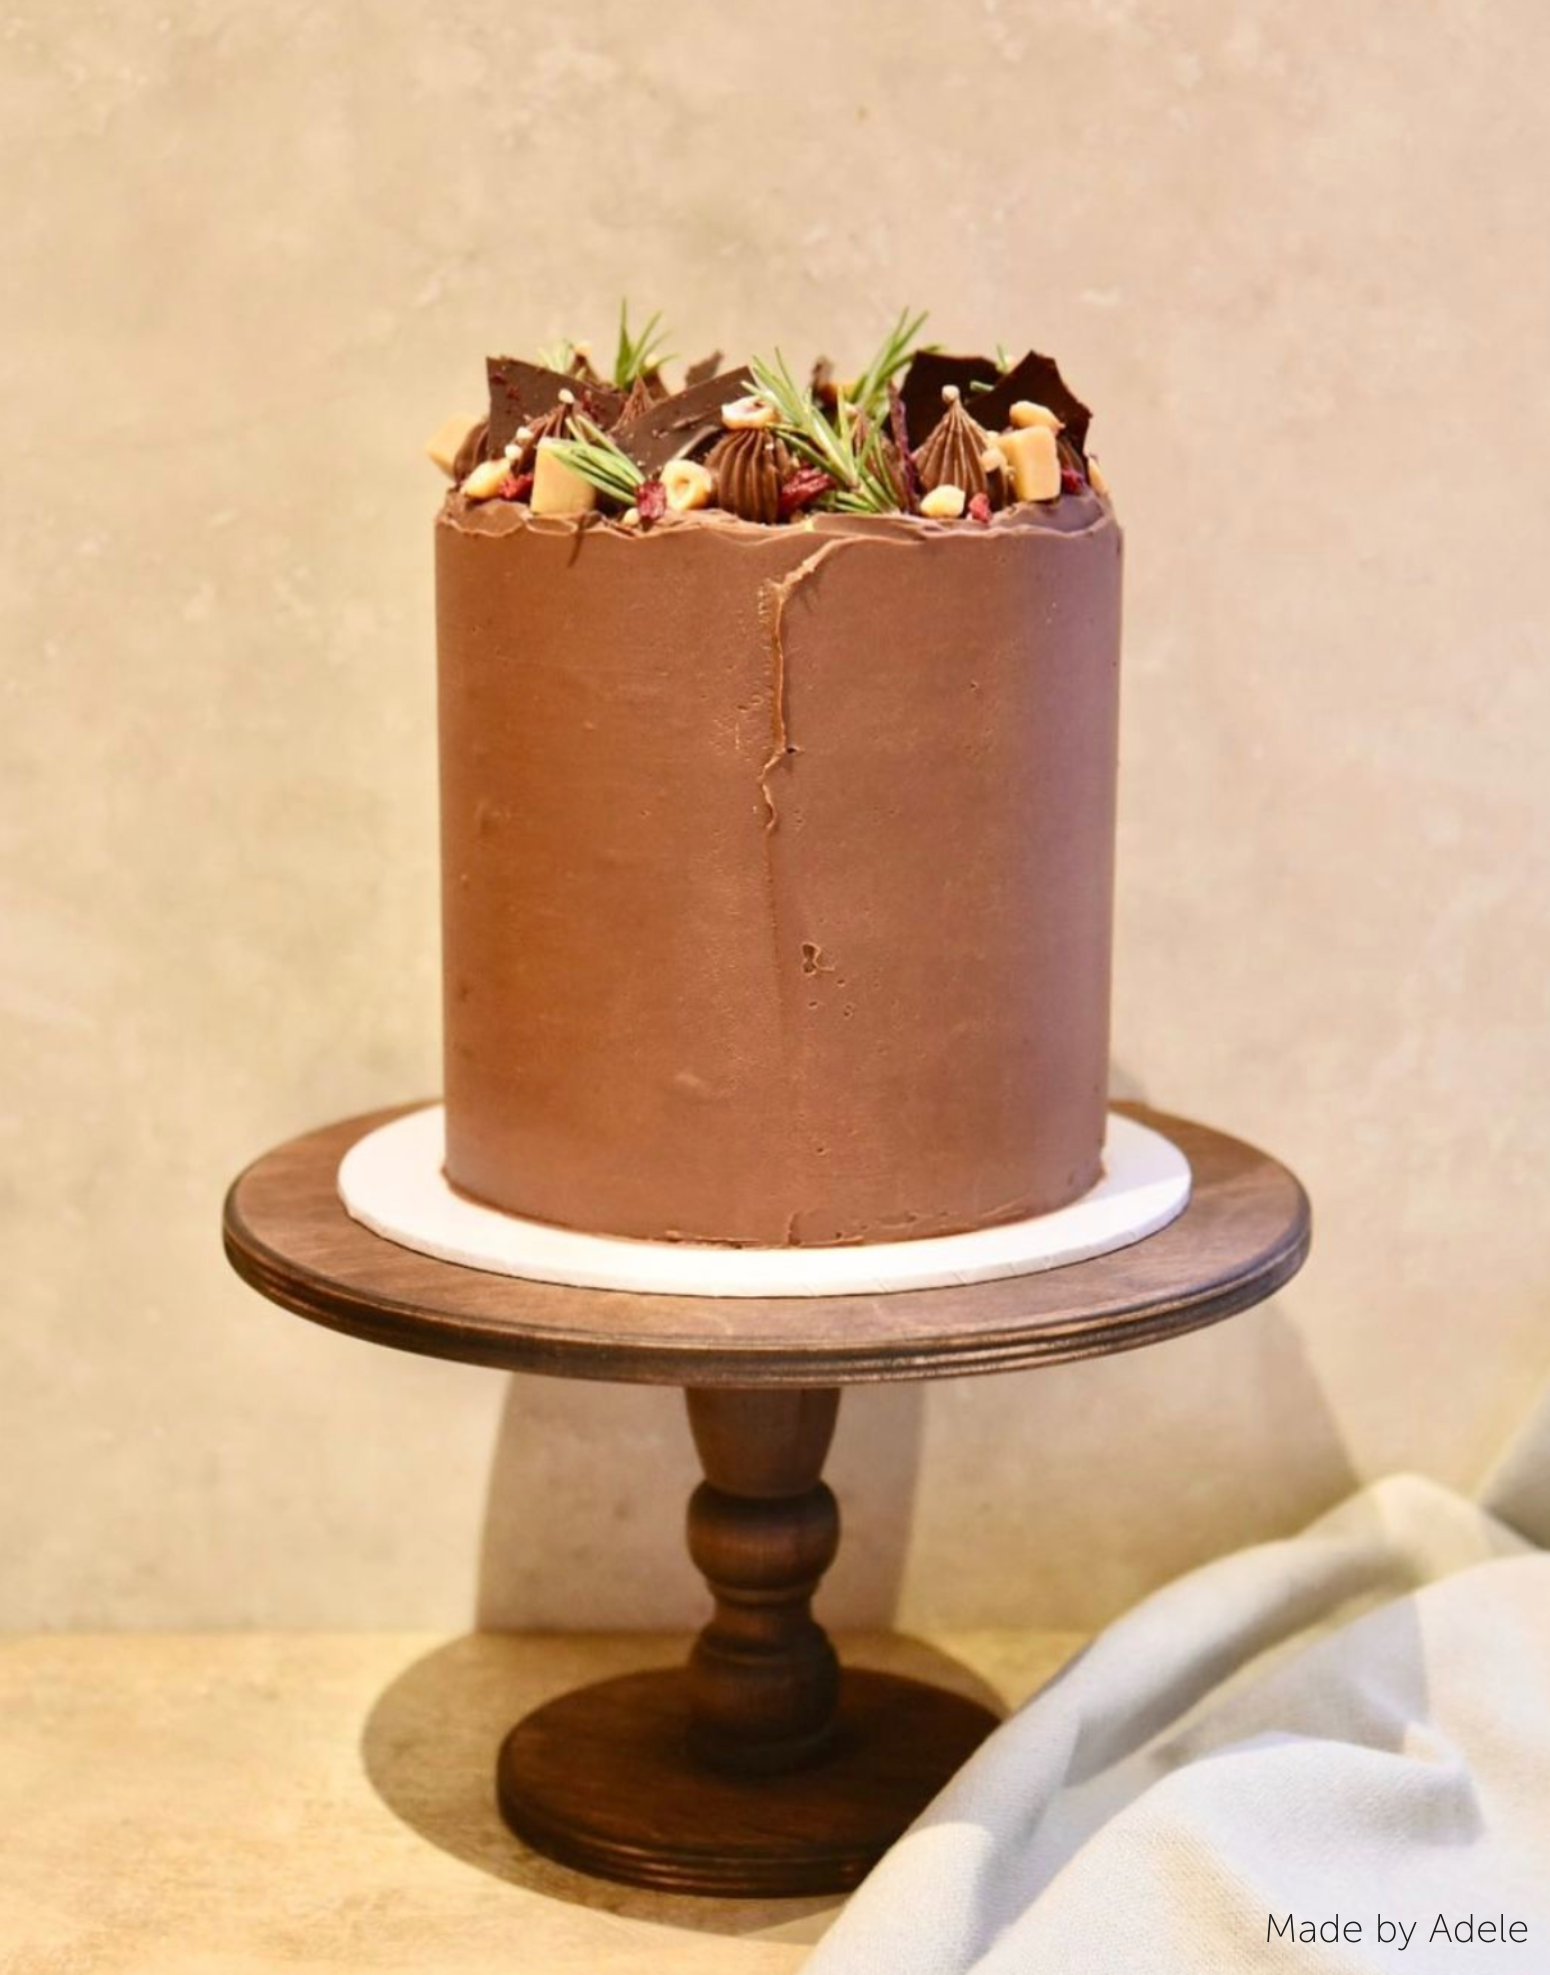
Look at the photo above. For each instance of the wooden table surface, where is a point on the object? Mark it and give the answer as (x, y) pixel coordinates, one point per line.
(178, 1804)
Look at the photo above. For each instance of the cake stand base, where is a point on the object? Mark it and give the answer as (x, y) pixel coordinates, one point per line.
(761, 1767)
(604, 1779)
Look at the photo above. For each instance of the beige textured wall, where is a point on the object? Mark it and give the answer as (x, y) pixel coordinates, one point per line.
(1293, 254)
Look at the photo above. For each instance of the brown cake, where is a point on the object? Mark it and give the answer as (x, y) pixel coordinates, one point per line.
(777, 800)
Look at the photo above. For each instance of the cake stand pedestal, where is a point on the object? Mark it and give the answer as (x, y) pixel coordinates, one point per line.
(761, 1767)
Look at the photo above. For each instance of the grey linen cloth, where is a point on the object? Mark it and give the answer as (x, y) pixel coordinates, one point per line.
(1350, 1727)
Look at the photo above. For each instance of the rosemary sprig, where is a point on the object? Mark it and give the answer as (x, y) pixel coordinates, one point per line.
(876, 492)
(862, 485)
(637, 355)
(898, 346)
(599, 459)
(558, 356)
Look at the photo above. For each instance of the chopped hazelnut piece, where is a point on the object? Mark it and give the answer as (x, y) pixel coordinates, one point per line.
(745, 412)
(487, 479)
(687, 485)
(943, 503)
(556, 488)
(1025, 413)
(1033, 460)
(446, 442)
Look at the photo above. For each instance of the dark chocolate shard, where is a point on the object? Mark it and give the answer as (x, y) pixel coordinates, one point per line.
(706, 368)
(930, 372)
(640, 400)
(907, 479)
(1039, 380)
(471, 451)
(521, 392)
(682, 426)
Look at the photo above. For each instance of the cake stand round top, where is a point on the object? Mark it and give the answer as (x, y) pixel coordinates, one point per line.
(1244, 1233)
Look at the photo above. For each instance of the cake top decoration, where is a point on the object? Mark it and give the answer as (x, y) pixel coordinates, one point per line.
(918, 431)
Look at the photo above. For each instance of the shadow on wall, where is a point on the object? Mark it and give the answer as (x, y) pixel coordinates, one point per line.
(584, 1521)
(1050, 1499)
(1057, 1499)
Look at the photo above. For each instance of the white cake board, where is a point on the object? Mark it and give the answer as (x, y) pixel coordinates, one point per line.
(392, 1182)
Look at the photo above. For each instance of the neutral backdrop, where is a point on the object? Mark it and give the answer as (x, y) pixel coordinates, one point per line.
(1294, 256)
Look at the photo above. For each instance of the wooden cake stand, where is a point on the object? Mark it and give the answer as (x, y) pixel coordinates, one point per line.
(762, 1767)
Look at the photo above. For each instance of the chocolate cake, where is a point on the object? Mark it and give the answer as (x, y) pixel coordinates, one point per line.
(778, 744)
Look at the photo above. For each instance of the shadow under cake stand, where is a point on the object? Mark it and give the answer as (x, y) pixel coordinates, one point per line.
(762, 1767)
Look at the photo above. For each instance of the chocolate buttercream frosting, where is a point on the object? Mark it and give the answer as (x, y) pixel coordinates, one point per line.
(750, 468)
(953, 456)
(777, 867)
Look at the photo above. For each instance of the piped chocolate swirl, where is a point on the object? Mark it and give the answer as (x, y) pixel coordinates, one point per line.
(954, 454)
(749, 468)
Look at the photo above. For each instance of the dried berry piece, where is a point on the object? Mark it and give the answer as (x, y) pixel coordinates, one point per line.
(802, 488)
(515, 487)
(979, 510)
(651, 500)
(1071, 482)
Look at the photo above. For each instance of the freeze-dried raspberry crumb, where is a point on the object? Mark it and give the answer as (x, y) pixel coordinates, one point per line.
(802, 488)
(1071, 482)
(515, 487)
(651, 499)
(979, 509)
